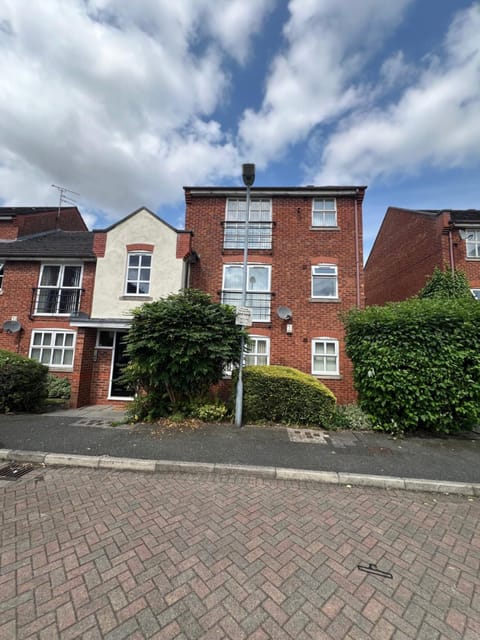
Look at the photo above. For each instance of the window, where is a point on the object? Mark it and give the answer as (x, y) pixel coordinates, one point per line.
(324, 212)
(259, 224)
(258, 351)
(2, 266)
(473, 243)
(324, 281)
(258, 289)
(59, 290)
(475, 293)
(105, 339)
(325, 356)
(53, 348)
(139, 267)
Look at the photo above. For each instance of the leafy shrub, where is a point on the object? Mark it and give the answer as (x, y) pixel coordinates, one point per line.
(178, 347)
(210, 412)
(23, 383)
(417, 364)
(58, 387)
(284, 394)
(447, 285)
(351, 416)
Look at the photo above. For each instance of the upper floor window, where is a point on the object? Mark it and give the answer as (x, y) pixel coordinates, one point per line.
(259, 224)
(58, 291)
(258, 296)
(324, 281)
(2, 266)
(325, 356)
(258, 351)
(473, 243)
(139, 268)
(53, 348)
(324, 212)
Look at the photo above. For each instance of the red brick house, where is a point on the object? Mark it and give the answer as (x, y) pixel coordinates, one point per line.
(47, 268)
(305, 253)
(411, 243)
(71, 291)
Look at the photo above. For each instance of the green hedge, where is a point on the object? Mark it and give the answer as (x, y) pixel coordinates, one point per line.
(23, 383)
(417, 364)
(283, 394)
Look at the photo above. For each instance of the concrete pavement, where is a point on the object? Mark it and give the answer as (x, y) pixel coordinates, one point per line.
(338, 457)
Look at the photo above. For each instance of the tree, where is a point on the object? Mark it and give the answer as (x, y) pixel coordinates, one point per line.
(178, 347)
(447, 285)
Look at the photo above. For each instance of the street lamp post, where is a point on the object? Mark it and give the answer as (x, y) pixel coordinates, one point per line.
(248, 176)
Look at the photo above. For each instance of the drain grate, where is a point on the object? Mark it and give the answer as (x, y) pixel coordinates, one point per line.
(14, 470)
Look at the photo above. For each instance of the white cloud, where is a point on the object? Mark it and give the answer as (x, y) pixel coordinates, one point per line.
(115, 100)
(314, 79)
(435, 122)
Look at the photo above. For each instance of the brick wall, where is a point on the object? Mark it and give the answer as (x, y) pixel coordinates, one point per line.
(19, 280)
(70, 219)
(294, 248)
(408, 247)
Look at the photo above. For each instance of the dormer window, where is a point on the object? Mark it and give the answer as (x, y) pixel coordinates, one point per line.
(139, 269)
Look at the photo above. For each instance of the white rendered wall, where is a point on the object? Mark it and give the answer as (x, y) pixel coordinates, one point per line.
(109, 298)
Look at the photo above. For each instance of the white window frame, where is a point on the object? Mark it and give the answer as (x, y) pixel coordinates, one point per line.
(2, 274)
(58, 287)
(324, 372)
(320, 213)
(253, 353)
(141, 254)
(259, 223)
(473, 243)
(52, 346)
(324, 276)
(266, 293)
(103, 346)
(475, 293)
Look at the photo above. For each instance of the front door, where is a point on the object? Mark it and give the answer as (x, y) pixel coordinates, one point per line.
(118, 389)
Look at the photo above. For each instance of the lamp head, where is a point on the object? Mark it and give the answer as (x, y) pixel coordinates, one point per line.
(248, 174)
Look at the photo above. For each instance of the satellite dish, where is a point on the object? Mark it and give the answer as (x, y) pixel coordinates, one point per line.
(11, 326)
(284, 313)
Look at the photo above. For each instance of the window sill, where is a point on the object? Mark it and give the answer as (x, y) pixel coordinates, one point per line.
(134, 297)
(327, 376)
(325, 229)
(334, 300)
(61, 369)
(472, 259)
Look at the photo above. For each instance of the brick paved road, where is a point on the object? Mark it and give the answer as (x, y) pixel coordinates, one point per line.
(99, 554)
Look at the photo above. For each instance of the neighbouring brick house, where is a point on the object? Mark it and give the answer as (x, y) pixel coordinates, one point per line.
(305, 253)
(411, 243)
(72, 291)
(47, 268)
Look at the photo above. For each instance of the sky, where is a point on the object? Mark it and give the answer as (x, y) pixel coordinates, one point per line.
(125, 102)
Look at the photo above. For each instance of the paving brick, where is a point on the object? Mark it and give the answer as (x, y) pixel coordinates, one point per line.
(105, 554)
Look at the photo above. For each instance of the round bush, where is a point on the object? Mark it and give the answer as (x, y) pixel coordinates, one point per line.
(284, 394)
(23, 383)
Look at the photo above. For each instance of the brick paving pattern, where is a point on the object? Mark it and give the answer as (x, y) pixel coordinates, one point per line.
(114, 555)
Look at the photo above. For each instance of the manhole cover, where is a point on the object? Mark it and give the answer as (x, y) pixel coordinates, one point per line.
(306, 436)
(13, 471)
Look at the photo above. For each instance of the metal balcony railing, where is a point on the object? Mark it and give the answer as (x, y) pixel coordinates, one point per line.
(63, 302)
(259, 302)
(259, 235)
